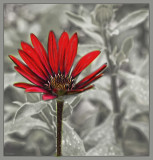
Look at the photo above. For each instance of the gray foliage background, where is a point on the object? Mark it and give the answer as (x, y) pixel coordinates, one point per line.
(106, 121)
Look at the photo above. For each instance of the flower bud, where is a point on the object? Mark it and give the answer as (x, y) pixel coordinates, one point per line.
(103, 13)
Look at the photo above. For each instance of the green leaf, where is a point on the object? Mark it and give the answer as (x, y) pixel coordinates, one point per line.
(131, 20)
(29, 109)
(137, 85)
(72, 145)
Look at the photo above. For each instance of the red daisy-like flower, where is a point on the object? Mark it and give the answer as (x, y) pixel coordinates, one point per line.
(52, 74)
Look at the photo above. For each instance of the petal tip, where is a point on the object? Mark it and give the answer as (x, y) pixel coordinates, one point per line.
(75, 35)
(31, 34)
(51, 32)
(15, 84)
(10, 56)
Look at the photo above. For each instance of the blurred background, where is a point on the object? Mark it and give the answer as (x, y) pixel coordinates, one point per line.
(112, 119)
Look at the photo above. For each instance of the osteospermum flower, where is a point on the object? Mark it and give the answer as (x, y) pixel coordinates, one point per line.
(52, 73)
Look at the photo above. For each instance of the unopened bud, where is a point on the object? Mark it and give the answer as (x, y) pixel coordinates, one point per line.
(103, 13)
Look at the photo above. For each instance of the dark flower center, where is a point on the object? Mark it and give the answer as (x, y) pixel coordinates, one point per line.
(59, 82)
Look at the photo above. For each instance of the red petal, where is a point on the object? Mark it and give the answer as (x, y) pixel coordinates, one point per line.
(27, 76)
(48, 96)
(36, 89)
(71, 52)
(52, 52)
(62, 44)
(32, 65)
(41, 51)
(35, 56)
(90, 81)
(74, 91)
(87, 78)
(23, 85)
(84, 62)
(26, 69)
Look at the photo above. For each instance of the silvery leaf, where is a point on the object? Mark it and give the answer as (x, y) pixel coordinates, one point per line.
(106, 148)
(127, 45)
(131, 20)
(80, 21)
(67, 110)
(138, 85)
(86, 48)
(122, 56)
(32, 97)
(72, 145)
(23, 126)
(143, 127)
(29, 109)
(95, 36)
(12, 94)
(99, 132)
(130, 105)
(88, 27)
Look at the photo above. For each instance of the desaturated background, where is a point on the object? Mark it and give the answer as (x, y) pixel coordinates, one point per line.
(98, 131)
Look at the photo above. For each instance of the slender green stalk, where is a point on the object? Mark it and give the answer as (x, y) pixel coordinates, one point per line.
(59, 109)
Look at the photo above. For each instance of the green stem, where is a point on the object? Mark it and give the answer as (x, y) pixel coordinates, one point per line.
(59, 109)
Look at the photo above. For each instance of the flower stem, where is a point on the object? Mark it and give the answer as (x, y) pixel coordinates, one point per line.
(114, 95)
(59, 109)
(114, 89)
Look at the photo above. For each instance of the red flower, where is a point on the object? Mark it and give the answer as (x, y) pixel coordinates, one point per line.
(52, 74)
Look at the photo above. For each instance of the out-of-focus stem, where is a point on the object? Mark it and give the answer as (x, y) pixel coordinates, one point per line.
(59, 108)
(114, 93)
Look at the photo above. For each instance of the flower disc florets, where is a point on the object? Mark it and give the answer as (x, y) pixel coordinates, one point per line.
(60, 83)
